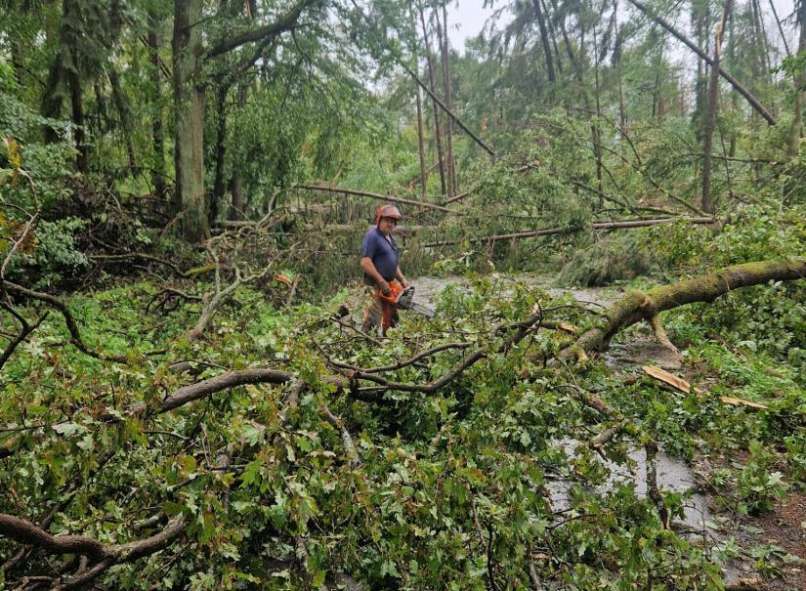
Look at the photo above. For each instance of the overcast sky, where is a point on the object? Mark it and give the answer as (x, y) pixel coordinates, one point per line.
(467, 17)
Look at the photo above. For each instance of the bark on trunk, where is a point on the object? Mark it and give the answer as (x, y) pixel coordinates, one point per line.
(752, 100)
(544, 39)
(796, 130)
(52, 97)
(236, 182)
(713, 108)
(638, 306)
(553, 33)
(219, 185)
(189, 198)
(446, 82)
(77, 107)
(432, 92)
(124, 113)
(157, 134)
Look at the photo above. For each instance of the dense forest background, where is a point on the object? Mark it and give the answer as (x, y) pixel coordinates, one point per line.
(187, 400)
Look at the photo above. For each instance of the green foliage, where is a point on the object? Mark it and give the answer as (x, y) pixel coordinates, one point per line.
(39, 176)
(55, 254)
(613, 258)
(448, 488)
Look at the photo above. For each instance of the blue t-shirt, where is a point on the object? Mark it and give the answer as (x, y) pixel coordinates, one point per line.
(383, 251)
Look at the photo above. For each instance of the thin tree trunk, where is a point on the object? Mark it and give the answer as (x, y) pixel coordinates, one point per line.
(220, 153)
(734, 96)
(77, 106)
(761, 37)
(780, 28)
(566, 41)
(421, 143)
(544, 39)
(553, 33)
(699, 17)
(157, 134)
(597, 136)
(752, 100)
(713, 107)
(418, 98)
(442, 40)
(432, 80)
(796, 130)
(125, 117)
(52, 97)
(189, 199)
(69, 40)
(236, 181)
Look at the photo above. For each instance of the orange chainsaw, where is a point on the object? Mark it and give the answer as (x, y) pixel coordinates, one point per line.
(403, 298)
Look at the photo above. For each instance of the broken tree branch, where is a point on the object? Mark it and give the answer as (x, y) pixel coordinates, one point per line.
(448, 112)
(611, 225)
(379, 196)
(72, 326)
(638, 306)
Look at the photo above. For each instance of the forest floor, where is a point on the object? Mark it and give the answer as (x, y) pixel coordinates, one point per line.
(770, 552)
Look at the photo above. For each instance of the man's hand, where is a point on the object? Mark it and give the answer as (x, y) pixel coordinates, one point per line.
(384, 285)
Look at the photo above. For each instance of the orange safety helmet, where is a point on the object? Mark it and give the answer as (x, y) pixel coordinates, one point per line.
(387, 211)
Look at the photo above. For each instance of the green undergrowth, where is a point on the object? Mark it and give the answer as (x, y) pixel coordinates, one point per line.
(447, 491)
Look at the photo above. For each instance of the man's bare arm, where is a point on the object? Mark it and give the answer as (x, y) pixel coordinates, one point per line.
(401, 277)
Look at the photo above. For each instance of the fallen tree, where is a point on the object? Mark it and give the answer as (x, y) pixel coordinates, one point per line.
(612, 225)
(638, 305)
(378, 196)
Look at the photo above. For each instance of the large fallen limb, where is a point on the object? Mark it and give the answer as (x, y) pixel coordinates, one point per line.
(102, 555)
(613, 225)
(638, 306)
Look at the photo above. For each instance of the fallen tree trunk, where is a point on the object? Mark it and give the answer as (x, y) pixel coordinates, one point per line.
(613, 225)
(379, 196)
(637, 306)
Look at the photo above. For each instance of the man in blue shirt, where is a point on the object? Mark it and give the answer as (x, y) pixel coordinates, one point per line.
(380, 260)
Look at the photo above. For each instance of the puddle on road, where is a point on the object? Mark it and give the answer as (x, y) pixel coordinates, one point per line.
(672, 475)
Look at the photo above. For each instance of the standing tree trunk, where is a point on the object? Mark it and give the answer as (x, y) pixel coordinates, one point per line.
(553, 33)
(420, 136)
(189, 199)
(442, 34)
(796, 130)
(77, 106)
(699, 17)
(52, 97)
(734, 96)
(432, 81)
(544, 39)
(125, 117)
(219, 187)
(597, 135)
(236, 182)
(157, 135)
(713, 107)
(763, 41)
